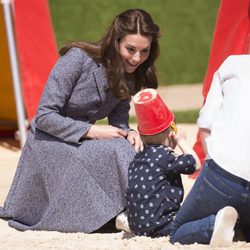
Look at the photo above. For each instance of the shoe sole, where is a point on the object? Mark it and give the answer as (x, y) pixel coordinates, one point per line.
(224, 227)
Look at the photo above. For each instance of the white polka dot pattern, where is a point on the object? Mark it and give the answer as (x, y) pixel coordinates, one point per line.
(155, 189)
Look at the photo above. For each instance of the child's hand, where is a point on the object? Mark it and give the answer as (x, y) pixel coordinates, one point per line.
(171, 142)
(181, 139)
(180, 135)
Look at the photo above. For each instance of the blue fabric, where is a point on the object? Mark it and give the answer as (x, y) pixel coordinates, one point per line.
(214, 189)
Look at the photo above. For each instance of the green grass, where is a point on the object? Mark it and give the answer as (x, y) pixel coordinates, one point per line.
(186, 116)
(186, 27)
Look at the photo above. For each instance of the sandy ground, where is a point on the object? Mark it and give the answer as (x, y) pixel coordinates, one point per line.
(183, 97)
(11, 239)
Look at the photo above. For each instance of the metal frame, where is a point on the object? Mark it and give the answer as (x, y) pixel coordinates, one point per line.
(15, 70)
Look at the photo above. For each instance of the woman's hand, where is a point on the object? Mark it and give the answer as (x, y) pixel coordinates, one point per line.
(134, 138)
(104, 131)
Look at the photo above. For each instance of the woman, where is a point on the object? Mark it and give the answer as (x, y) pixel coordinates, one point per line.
(72, 174)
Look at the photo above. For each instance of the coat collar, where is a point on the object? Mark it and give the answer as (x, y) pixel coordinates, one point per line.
(100, 76)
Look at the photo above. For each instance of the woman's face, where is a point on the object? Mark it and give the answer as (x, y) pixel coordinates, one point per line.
(134, 50)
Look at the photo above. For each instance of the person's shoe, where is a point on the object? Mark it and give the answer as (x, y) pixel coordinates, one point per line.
(223, 233)
(121, 222)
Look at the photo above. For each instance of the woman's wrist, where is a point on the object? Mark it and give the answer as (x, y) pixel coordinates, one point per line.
(90, 133)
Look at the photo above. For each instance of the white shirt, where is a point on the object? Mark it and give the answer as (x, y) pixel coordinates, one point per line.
(226, 114)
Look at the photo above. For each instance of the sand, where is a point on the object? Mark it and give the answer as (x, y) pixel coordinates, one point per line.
(11, 239)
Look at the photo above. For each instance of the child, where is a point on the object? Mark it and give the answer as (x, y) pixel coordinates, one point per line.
(155, 189)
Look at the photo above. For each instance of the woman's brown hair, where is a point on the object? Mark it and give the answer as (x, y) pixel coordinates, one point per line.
(106, 51)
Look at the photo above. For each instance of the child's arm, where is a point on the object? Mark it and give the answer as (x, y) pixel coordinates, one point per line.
(180, 138)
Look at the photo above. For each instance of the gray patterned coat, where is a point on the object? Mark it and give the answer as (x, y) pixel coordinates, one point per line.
(63, 183)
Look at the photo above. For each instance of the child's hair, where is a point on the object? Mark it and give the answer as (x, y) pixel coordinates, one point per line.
(158, 138)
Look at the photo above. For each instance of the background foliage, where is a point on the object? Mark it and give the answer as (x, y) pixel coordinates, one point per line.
(186, 30)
